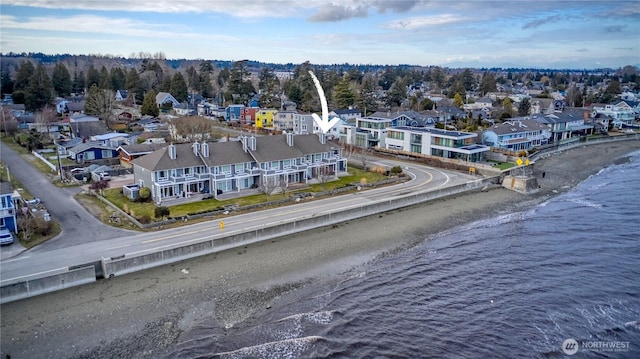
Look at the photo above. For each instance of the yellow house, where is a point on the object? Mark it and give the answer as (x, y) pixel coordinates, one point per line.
(265, 116)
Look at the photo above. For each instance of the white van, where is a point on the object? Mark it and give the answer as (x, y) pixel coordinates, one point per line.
(6, 237)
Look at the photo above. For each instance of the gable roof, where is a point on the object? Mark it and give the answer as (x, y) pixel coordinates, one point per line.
(141, 148)
(226, 153)
(273, 148)
(163, 97)
(89, 145)
(517, 126)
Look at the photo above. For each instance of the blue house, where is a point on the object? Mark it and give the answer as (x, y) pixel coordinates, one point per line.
(7, 208)
(90, 151)
(233, 113)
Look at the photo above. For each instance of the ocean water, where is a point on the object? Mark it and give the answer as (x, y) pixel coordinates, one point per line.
(517, 285)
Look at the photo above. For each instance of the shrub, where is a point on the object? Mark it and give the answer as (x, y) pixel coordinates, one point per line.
(145, 219)
(161, 212)
(145, 194)
(396, 170)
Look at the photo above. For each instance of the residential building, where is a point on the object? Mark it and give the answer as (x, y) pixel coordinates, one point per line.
(91, 151)
(517, 134)
(621, 113)
(7, 207)
(265, 117)
(303, 123)
(349, 115)
(128, 153)
(165, 97)
(121, 95)
(435, 142)
(284, 120)
(233, 113)
(179, 170)
(248, 115)
(565, 124)
(112, 139)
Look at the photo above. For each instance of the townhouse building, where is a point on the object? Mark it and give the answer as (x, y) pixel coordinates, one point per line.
(178, 170)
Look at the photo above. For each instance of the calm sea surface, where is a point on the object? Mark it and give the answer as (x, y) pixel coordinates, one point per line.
(513, 286)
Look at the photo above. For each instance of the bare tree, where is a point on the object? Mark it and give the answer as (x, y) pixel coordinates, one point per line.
(363, 156)
(325, 173)
(191, 128)
(284, 184)
(100, 103)
(267, 185)
(45, 118)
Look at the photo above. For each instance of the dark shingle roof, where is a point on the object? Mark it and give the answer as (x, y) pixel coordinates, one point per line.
(226, 153)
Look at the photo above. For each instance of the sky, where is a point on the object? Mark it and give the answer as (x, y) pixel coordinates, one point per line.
(559, 34)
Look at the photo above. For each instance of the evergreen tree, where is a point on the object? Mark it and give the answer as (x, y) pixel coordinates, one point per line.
(270, 87)
(61, 79)
(367, 95)
(7, 83)
(178, 88)
(105, 80)
(25, 71)
(397, 93)
(93, 77)
(193, 79)
(468, 80)
(39, 93)
(149, 105)
(438, 77)
(524, 107)
(118, 79)
(204, 85)
(343, 96)
(78, 82)
(133, 84)
(488, 83)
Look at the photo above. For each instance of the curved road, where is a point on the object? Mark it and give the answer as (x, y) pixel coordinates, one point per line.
(40, 262)
(78, 226)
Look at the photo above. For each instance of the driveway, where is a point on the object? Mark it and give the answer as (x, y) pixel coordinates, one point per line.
(78, 226)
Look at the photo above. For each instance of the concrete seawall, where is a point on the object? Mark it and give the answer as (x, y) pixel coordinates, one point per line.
(45, 283)
(132, 262)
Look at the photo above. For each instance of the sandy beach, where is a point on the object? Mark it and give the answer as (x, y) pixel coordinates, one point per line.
(142, 314)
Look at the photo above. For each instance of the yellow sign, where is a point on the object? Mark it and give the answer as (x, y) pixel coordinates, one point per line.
(221, 225)
(526, 162)
(519, 161)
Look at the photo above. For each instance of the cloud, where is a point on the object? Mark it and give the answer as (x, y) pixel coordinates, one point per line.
(413, 23)
(86, 24)
(614, 28)
(332, 13)
(539, 22)
(345, 9)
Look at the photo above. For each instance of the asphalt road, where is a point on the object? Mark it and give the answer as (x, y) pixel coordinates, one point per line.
(78, 226)
(37, 262)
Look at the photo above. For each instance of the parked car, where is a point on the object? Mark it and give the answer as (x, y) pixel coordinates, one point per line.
(105, 176)
(6, 237)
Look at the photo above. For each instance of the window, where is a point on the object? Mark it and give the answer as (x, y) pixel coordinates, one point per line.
(89, 155)
(162, 175)
(304, 127)
(275, 165)
(286, 163)
(4, 202)
(226, 169)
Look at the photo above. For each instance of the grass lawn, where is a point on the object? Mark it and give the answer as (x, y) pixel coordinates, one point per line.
(502, 165)
(147, 209)
(37, 237)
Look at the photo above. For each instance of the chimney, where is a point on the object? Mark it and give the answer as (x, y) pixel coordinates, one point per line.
(252, 143)
(290, 139)
(172, 151)
(322, 137)
(196, 148)
(205, 149)
(245, 146)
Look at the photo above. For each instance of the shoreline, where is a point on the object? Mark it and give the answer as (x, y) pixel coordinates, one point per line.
(142, 314)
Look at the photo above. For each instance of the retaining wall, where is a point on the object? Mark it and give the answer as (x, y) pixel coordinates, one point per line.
(140, 261)
(30, 287)
(128, 263)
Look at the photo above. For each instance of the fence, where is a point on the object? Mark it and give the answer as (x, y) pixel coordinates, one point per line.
(583, 141)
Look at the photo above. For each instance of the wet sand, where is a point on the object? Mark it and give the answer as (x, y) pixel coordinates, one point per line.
(142, 314)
